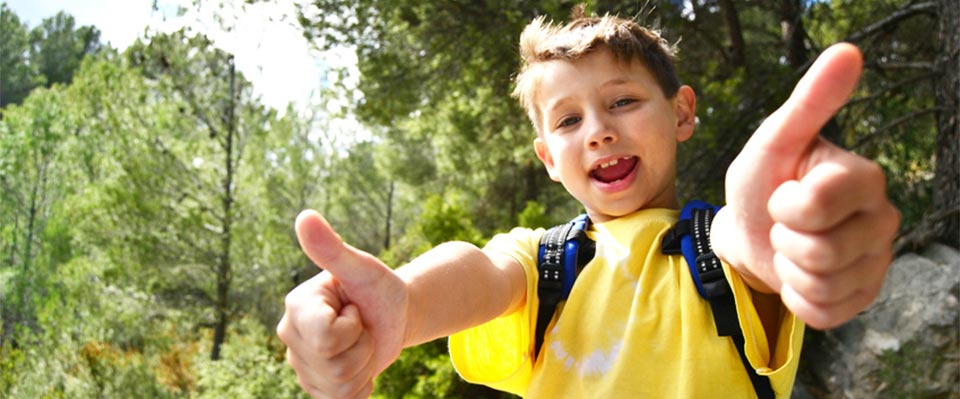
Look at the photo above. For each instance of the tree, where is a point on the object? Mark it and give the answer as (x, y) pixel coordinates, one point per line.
(17, 76)
(208, 155)
(57, 47)
(49, 53)
(362, 198)
(946, 197)
(128, 258)
(34, 139)
(437, 78)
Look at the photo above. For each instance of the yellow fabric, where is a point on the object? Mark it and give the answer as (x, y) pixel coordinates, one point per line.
(633, 327)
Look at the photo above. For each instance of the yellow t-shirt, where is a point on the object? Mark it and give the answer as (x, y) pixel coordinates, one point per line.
(633, 327)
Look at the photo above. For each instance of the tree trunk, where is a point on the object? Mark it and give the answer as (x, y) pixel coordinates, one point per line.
(386, 233)
(793, 32)
(32, 216)
(732, 20)
(225, 268)
(795, 52)
(946, 196)
(13, 240)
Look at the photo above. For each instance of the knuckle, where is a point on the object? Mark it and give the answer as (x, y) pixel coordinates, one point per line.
(291, 301)
(807, 207)
(810, 252)
(330, 345)
(309, 388)
(873, 173)
(814, 290)
(340, 372)
(367, 390)
(326, 348)
(894, 218)
(331, 390)
(814, 254)
(819, 259)
(346, 390)
(284, 331)
(813, 212)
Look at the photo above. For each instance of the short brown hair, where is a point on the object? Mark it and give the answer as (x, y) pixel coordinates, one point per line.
(543, 41)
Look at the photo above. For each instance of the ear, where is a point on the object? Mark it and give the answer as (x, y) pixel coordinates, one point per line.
(685, 104)
(543, 153)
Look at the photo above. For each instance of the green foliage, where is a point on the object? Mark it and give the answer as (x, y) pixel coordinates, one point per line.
(891, 117)
(909, 372)
(533, 216)
(445, 219)
(363, 197)
(87, 346)
(437, 77)
(113, 227)
(424, 371)
(254, 367)
(57, 47)
(12, 361)
(17, 76)
(46, 55)
(147, 197)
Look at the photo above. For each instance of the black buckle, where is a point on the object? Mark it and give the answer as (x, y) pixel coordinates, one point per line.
(671, 241)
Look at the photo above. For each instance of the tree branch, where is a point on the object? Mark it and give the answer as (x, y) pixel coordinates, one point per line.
(906, 12)
(903, 119)
(921, 65)
(16, 195)
(921, 234)
(891, 88)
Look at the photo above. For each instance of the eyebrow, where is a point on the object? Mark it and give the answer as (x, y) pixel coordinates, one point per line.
(547, 108)
(616, 82)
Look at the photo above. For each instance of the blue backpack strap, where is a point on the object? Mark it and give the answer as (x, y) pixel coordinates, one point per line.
(564, 251)
(691, 237)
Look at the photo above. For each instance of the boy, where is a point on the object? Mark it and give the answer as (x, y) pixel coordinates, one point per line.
(806, 235)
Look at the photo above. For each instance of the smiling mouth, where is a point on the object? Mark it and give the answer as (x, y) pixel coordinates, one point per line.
(614, 170)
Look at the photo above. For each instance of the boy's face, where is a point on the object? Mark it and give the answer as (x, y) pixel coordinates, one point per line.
(609, 135)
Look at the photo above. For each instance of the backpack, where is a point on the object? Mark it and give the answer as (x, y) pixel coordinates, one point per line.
(565, 250)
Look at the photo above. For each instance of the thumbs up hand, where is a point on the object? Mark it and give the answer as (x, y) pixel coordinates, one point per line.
(805, 218)
(344, 326)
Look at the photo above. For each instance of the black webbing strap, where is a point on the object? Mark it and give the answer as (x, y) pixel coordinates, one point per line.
(713, 286)
(564, 251)
(550, 285)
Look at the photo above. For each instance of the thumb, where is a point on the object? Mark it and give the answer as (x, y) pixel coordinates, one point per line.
(327, 250)
(821, 92)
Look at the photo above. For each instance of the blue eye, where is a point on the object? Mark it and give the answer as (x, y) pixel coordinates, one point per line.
(569, 121)
(623, 102)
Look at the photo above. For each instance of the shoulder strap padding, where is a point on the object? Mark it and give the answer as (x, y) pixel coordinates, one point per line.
(564, 250)
(691, 237)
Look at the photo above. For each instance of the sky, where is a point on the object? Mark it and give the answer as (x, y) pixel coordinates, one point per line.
(267, 44)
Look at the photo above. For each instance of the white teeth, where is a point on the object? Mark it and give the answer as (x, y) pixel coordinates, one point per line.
(611, 163)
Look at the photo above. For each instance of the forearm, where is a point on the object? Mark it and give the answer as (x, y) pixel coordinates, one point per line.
(456, 286)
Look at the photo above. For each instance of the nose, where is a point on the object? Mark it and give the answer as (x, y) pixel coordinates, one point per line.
(601, 133)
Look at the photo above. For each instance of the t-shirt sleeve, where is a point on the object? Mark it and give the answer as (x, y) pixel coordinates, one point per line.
(781, 365)
(498, 353)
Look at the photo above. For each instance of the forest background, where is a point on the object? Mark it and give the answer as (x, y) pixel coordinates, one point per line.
(147, 196)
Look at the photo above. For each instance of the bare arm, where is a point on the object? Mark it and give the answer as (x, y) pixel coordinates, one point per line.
(456, 286)
(346, 325)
